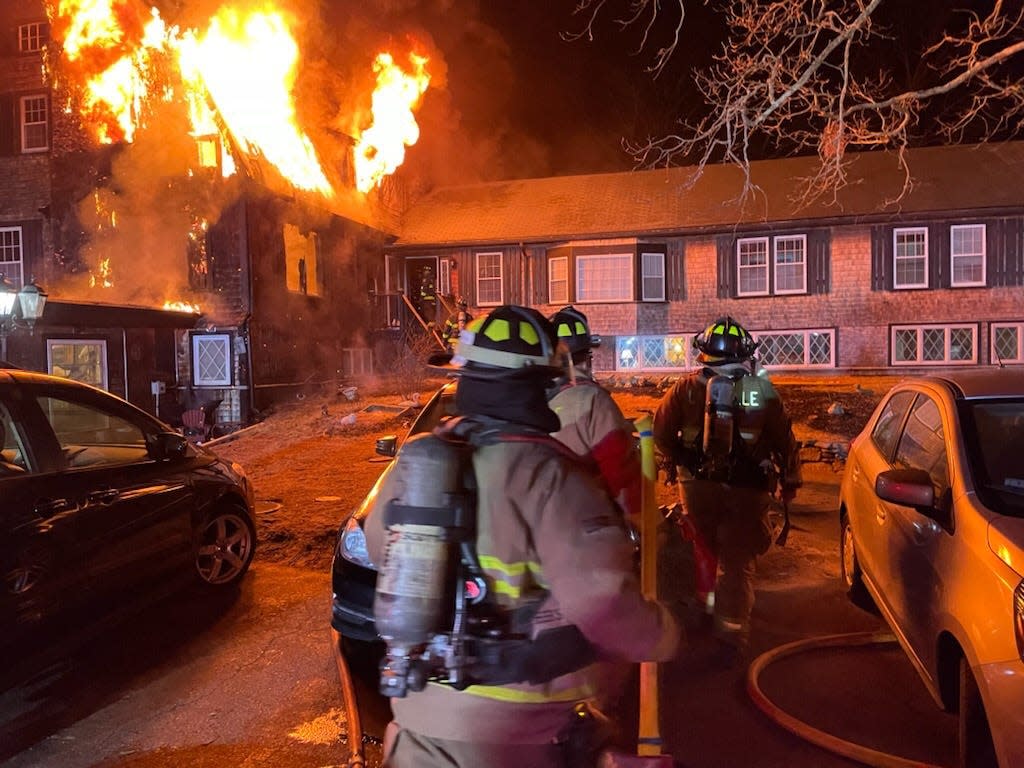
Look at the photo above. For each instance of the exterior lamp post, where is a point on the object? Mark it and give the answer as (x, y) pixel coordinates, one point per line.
(25, 305)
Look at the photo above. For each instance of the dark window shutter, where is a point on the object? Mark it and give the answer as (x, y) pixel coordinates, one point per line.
(32, 247)
(1006, 252)
(996, 239)
(8, 126)
(675, 271)
(819, 263)
(881, 258)
(938, 256)
(726, 266)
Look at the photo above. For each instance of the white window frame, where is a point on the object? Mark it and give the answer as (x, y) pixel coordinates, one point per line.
(631, 352)
(200, 340)
(947, 329)
(604, 291)
(896, 258)
(7, 265)
(31, 37)
(742, 269)
(489, 280)
(802, 264)
(994, 357)
(101, 343)
(953, 256)
(444, 277)
(554, 297)
(762, 336)
(652, 270)
(24, 124)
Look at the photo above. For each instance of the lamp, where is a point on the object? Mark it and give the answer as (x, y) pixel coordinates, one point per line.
(17, 306)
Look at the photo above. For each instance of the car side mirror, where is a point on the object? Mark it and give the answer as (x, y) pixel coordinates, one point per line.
(909, 487)
(166, 446)
(387, 445)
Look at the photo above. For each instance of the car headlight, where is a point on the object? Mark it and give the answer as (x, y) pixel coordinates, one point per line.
(1018, 618)
(352, 544)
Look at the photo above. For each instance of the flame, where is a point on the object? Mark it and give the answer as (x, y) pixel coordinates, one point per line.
(247, 63)
(103, 277)
(181, 306)
(381, 148)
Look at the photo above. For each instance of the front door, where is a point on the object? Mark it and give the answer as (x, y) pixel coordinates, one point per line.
(421, 286)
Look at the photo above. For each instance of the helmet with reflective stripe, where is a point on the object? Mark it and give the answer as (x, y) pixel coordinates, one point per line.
(509, 341)
(724, 341)
(572, 328)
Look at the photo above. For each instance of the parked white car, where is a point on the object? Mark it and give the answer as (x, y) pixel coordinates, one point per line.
(932, 527)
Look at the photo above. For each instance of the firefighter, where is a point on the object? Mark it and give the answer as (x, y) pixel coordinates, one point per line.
(726, 430)
(593, 425)
(456, 323)
(555, 558)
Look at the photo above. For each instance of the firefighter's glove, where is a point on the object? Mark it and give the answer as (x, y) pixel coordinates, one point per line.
(788, 493)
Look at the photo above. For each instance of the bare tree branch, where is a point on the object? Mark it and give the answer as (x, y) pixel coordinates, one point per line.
(809, 77)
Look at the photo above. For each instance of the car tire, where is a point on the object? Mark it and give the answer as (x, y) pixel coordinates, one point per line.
(849, 568)
(223, 547)
(975, 747)
(363, 658)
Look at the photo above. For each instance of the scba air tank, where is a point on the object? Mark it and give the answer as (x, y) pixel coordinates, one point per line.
(411, 601)
(719, 417)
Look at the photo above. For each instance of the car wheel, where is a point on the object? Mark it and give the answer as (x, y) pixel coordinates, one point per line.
(363, 658)
(224, 545)
(976, 749)
(850, 568)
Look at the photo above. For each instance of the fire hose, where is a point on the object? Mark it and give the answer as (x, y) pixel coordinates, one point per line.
(348, 692)
(807, 732)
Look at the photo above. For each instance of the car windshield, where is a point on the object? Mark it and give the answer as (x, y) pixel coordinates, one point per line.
(994, 435)
(443, 404)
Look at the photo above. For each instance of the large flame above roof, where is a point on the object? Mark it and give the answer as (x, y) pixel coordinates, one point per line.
(236, 78)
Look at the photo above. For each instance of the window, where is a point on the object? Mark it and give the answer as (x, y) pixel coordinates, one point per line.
(636, 353)
(301, 254)
(652, 276)
(922, 445)
(10, 255)
(967, 255)
(356, 361)
(752, 267)
(604, 277)
(934, 344)
(79, 359)
(14, 459)
(558, 280)
(211, 359)
(813, 348)
(35, 124)
(90, 437)
(488, 279)
(197, 249)
(910, 258)
(791, 264)
(32, 37)
(444, 277)
(890, 420)
(1007, 342)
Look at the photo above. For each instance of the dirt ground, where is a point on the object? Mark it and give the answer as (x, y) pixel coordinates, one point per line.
(312, 460)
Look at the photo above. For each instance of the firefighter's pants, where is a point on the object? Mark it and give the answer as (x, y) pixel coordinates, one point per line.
(405, 749)
(735, 524)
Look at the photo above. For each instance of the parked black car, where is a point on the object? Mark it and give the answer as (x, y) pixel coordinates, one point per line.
(353, 575)
(99, 500)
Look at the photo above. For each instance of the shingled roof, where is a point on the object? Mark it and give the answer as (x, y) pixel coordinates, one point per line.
(658, 202)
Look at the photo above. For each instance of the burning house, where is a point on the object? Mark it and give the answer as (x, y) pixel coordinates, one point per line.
(199, 243)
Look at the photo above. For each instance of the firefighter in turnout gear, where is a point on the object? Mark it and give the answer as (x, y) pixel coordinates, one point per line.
(456, 323)
(593, 425)
(726, 430)
(555, 564)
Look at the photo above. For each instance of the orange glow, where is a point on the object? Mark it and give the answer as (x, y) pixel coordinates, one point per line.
(381, 147)
(181, 306)
(103, 276)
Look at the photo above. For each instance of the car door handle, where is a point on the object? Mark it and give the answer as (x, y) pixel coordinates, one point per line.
(104, 496)
(47, 507)
(922, 532)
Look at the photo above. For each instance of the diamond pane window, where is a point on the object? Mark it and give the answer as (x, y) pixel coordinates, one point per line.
(211, 359)
(819, 348)
(1006, 343)
(796, 349)
(935, 344)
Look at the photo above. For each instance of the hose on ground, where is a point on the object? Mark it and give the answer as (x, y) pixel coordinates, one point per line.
(348, 692)
(807, 732)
